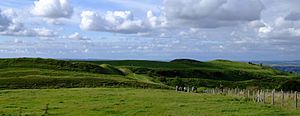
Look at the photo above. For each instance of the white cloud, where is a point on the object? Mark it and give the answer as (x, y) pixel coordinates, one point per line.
(44, 32)
(12, 27)
(75, 36)
(156, 21)
(15, 30)
(111, 21)
(53, 8)
(193, 33)
(256, 24)
(54, 21)
(10, 13)
(279, 33)
(280, 29)
(4, 21)
(212, 13)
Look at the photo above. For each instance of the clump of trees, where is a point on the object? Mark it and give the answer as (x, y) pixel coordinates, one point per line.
(290, 85)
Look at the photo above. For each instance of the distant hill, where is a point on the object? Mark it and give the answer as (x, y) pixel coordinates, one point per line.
(185, 61)
(287, 66)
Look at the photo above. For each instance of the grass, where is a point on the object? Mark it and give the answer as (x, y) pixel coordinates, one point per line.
(126, 101)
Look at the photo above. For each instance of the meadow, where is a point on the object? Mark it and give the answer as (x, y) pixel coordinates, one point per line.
(128, 101)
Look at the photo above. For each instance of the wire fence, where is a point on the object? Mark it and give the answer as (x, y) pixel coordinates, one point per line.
(285, 99)
(288, 99)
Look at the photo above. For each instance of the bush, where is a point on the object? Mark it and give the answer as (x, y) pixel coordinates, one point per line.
(290, 85)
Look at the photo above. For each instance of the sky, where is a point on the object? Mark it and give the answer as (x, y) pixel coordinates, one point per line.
(240, 30)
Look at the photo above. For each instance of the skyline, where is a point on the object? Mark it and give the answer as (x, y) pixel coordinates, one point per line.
(246, 30)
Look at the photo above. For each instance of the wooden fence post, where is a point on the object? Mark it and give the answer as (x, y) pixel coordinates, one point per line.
(248, 94)
(296, 99)
(253, 96)
(235, 91)
(20, 111)
(264, 97)
(228, 91)
(273, 93)
(258, 96)
(282, 98)
(46, 109)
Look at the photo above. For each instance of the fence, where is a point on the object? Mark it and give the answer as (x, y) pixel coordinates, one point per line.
(288, 99)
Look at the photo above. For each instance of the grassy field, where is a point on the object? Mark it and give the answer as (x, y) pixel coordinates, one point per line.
(126, 101)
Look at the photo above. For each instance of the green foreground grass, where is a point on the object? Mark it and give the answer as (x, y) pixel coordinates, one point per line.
(127, 101)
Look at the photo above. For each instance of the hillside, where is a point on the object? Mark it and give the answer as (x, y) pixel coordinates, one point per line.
(51, 73)
(207, 74)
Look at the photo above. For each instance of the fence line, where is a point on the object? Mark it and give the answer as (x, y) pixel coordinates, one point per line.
(288, 99)
(283, 98)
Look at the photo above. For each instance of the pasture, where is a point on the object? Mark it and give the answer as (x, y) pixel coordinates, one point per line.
(127, 101)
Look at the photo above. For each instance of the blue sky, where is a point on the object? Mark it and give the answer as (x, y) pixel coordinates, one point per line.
(153, 30)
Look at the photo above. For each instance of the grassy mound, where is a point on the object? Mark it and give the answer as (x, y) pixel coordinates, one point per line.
(53, 64)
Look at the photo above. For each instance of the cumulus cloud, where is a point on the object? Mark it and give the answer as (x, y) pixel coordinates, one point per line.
(52, 8)
(279, 33)
(111, 21)
(156, 21)
(212, 13)
(122, 22)
(281, 29)
(11, 27)
(4, 21)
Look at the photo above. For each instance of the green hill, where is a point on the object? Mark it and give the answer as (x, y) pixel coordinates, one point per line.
(51, 73)
(207, 74)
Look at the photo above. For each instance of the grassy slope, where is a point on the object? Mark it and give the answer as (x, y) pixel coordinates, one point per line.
(50, 73)
(211, 65)
(121, 101)
(210, 74)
